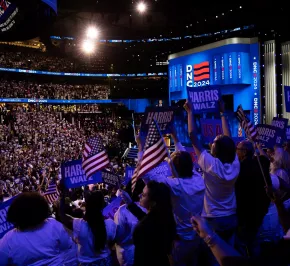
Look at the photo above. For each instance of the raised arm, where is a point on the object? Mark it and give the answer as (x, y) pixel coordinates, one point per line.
(64, 218)
(192, 131)
(132, 207)
(218, 247)
(225, 125)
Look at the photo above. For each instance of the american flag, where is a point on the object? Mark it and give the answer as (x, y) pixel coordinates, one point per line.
(155, 151)
(95, 157)
(246, 124)
(51, 194)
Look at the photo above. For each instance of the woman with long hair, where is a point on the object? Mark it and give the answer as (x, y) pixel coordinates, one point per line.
(154, 234)
(92, 233)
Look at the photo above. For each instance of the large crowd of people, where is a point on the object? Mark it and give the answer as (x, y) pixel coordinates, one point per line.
(26, 89)
(34, 143)
(35, 60)
(234, 213)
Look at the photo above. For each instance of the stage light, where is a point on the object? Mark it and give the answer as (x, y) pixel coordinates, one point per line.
(89, 46)
(141, 7)
(92, 33)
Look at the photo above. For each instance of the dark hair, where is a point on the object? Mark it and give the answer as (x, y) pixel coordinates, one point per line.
(94, 217)
(28, 210)
(225, 149)
(183, 164)
(159, 193)
(249, 149)
(137, 191)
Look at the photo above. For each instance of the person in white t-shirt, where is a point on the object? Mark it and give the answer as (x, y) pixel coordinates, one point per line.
(126, 223)
(93, 233)
(36, 239)
(220, 169)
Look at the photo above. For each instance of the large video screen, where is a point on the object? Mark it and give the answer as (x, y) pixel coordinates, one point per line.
(232, 67)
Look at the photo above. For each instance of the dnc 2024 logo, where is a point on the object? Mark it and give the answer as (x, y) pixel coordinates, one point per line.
(198, 75)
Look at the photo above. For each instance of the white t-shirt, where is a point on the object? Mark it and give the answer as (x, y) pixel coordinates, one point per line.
(84, 237)
(48, 245)
(219, 179)
(126, 223)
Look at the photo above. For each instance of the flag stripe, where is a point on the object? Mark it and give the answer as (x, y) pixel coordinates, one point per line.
(153, 162)
(93, 158)
(199, 78)
(96, 163)
(155, 151)
(97, 168)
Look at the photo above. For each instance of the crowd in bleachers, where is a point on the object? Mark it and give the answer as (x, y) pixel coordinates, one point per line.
(34, 143)
(35, 60)
(28, 89)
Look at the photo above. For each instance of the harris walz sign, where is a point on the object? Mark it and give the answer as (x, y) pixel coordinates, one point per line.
(204, 99)
(269, 135)
(164, 116)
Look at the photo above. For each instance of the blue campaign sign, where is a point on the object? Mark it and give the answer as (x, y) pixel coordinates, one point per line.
(269, 135)
(204, 99)
(281, 123)
(163, 116)
(4, 225)
(287, 98)
(162, 169)
(111, 209)
(75, 177)
(110, 178)
(129, 171)
(210, 128)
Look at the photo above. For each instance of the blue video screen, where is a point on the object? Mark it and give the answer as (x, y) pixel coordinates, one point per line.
(235, 68)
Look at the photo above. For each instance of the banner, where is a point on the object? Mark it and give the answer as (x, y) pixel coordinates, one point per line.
(75, 177)
(110, 178)
(269, 135)
(210, 128)
(281, 123)
(204, 99)
(80, 74)
(287, 98)
(4, 225)
(111, 209)
(163, 116)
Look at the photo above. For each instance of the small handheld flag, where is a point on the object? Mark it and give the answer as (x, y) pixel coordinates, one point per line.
(95, 157)
(155, 151)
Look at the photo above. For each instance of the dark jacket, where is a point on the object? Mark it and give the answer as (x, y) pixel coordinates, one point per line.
(152, 241)
(252, 200)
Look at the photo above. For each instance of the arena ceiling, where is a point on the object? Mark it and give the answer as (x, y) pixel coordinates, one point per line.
(119, 18)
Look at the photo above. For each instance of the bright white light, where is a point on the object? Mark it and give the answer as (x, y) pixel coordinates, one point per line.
(141, 7)
(92, 33)
(89, 46)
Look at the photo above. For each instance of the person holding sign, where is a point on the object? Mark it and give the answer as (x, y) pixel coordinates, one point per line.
(220, 168)
(93, 233)
(187, 194)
